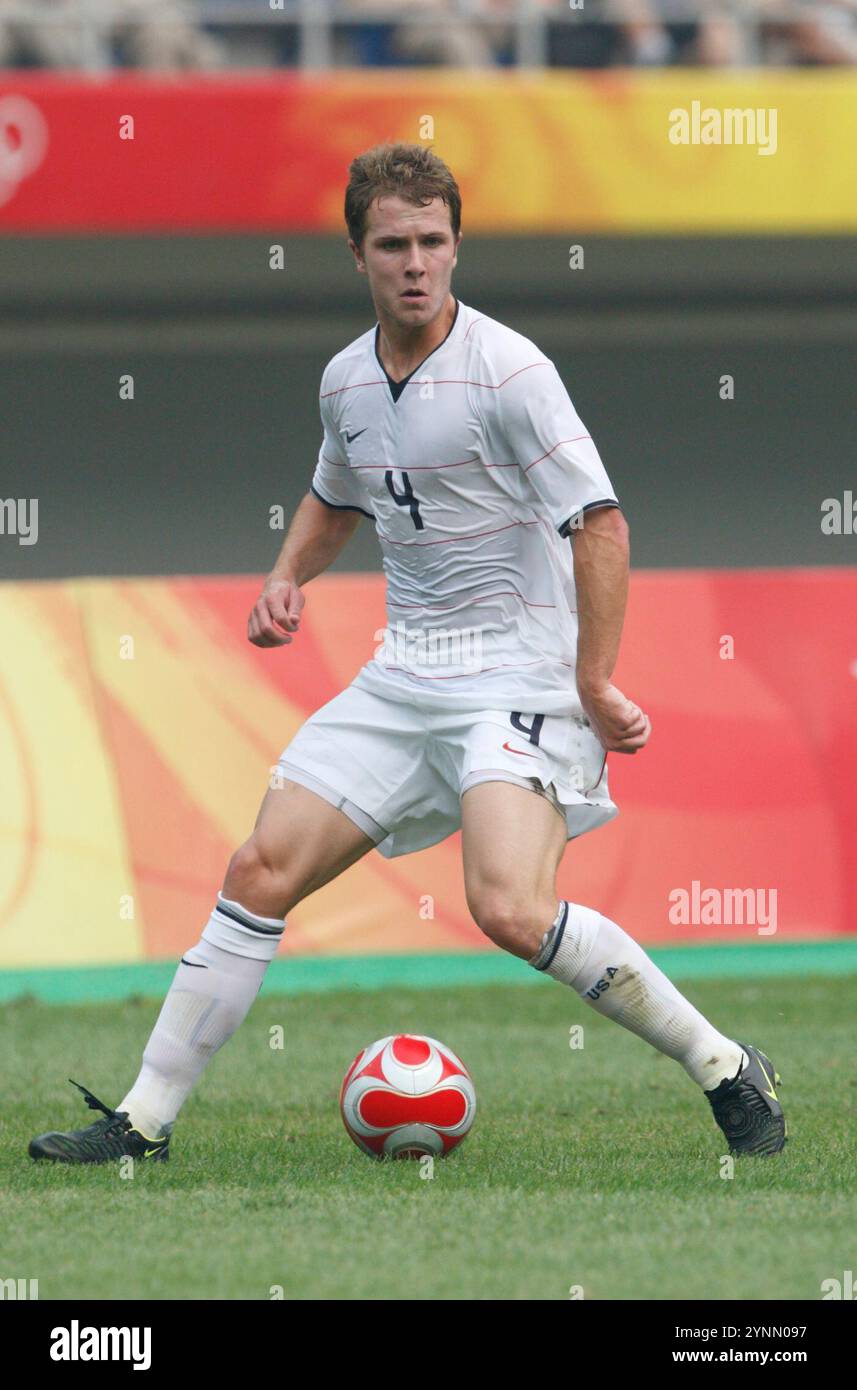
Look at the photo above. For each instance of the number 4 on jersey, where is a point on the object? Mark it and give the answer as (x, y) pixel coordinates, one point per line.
(405, 498)
(532, 730)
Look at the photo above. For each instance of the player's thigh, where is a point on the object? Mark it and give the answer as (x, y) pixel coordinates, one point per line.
(512, 843)
(299, 843)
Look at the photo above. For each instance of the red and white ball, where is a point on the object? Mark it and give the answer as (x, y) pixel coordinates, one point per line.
(406, 1096)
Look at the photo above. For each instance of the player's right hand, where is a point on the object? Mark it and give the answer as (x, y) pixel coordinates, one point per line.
(276, 613)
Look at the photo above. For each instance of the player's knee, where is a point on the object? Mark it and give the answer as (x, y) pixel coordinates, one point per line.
(513, 923)
(253, 880)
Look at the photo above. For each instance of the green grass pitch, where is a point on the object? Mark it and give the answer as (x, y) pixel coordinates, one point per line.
(597, 1168)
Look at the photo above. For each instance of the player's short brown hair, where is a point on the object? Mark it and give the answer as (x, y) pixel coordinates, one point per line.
(413, 172)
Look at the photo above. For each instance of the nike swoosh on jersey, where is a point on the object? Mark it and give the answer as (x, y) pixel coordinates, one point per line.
(351, 437)
(520, 752)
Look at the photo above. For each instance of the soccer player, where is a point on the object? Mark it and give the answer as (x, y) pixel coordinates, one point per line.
(492, 709)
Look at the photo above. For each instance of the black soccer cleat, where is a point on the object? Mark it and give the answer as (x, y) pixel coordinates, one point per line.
(747, 1109)
(109, 1138)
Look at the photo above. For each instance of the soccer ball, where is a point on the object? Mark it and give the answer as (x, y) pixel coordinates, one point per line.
(406, 1096)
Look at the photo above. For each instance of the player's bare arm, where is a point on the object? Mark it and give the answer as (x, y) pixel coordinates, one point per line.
(601, 557)
(314, 539)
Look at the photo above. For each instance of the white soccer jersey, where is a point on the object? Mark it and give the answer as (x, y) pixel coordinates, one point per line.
(472, 470)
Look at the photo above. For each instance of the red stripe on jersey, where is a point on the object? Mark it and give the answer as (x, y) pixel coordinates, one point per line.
(556, 446)
(441, 381)
(600, 775)
(450, 607)
(353, 387)
(471, 536)
(507, 666)
(431, 467)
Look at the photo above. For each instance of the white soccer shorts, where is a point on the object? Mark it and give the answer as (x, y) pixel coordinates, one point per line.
(399, 772)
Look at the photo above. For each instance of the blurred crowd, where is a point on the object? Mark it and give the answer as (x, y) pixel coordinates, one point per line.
(212, 34)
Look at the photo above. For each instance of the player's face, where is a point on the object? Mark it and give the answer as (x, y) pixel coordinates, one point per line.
(409, 255)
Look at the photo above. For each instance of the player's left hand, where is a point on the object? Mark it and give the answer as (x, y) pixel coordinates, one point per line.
(621, 725)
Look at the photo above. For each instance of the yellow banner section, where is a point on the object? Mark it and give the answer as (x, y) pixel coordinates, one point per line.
(683, 150)
(65, 867)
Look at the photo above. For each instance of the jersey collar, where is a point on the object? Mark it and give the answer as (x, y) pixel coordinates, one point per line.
(397, 387)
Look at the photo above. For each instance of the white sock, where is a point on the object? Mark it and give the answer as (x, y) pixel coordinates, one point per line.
(611, 972)
(211, 994)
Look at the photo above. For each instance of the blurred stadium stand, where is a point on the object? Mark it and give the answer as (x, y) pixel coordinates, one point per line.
(200, 35)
